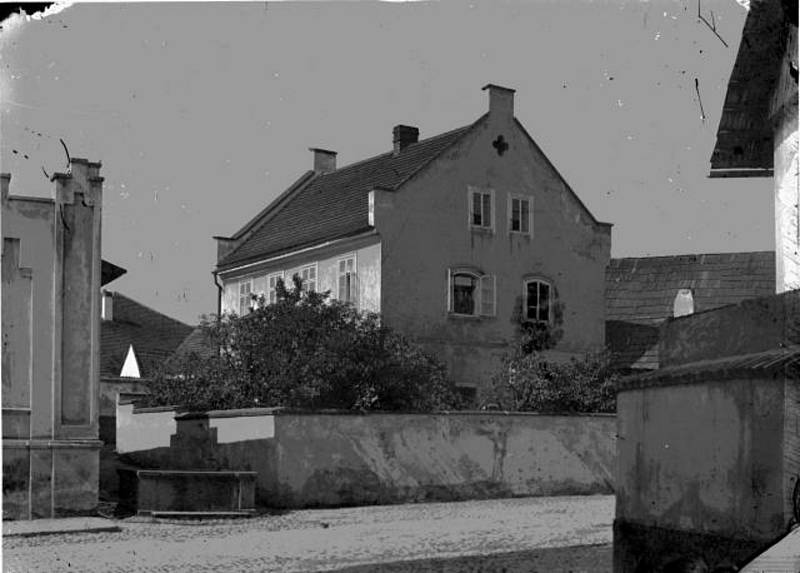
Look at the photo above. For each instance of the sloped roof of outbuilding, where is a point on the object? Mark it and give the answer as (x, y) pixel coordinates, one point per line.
(641, 291)
(153, 335)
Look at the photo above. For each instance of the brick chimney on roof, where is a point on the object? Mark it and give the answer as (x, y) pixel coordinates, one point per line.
(324, 160)
(403, 136)
(501, 101)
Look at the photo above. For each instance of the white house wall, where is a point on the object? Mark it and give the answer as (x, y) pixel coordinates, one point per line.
(368, 273)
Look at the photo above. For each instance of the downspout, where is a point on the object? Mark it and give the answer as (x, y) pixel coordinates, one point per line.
(219, 294)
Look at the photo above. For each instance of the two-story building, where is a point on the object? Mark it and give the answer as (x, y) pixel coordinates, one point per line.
(453, 239)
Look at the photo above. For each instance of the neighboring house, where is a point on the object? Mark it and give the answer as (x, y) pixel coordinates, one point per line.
(453, 239)
(52, 273)
(757, 134)
(135, 341)
(642, 292)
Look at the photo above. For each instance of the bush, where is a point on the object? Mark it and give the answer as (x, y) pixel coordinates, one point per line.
(304, 351)
(527, 381)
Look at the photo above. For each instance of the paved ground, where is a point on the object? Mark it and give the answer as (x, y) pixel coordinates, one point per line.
(527, 534)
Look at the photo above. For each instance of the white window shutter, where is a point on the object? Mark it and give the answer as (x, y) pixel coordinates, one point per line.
(488, 296)
(449, 291)
(530, 217)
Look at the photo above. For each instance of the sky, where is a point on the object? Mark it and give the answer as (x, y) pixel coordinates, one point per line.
(202, 113)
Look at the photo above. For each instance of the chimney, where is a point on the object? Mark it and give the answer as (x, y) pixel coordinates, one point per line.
(403, 136)
(501, 101)
(107, 308)
(324, 160)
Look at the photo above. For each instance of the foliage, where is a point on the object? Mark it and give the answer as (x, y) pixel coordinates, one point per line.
(528, 381)
(304, 351)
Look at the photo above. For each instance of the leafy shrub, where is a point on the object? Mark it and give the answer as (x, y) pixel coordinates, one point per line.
(304, 351)
(527, 381)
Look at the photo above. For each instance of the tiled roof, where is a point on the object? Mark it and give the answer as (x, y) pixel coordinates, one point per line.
(154, 337)
(744, 137)
(335, 205)
(779, 360)
(197, 342)
(640, 294)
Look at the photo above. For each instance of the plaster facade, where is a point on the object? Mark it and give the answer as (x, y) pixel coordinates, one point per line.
(365, 252)
(708, 446)
(311, 459)
(421, 233)
(50, 362)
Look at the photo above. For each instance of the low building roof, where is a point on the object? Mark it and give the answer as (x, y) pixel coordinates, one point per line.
(153, 335)
(641, 291)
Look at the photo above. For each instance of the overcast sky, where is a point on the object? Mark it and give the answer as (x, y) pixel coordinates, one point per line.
(203, 113)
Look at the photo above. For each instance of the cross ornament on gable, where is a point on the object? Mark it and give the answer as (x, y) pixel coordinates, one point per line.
(500, 145)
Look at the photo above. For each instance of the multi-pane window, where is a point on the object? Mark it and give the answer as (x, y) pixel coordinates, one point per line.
(520, 214)
(481, 203)
(245, 296)
(308, 278)
(348, 289)
(470, 293)
(538, 300)
(272, 287)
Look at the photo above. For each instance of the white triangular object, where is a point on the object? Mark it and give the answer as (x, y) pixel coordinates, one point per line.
(131, 367)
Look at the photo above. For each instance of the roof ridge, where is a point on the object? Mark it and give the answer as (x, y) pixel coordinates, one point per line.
(561, 177)
(409, 147)
(266, 214)
(151, 309)
(692, 255)
(466, 129)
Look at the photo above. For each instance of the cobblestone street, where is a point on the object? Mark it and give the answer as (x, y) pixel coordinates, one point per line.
(525, 534)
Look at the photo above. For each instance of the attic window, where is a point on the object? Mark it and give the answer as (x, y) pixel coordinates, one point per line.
(481, 208)
(684, 303)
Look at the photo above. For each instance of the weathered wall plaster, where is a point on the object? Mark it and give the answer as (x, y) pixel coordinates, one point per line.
(51, 302)
(425, 231)
(346, 459)
(368, 269)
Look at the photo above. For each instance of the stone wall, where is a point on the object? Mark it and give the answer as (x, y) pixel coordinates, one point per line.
(331, 459)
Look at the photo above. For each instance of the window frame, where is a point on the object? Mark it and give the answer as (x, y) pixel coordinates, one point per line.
(482, 308)
(240, 283)
(353, 290)
(271, 290)
(550, 296)
(308, 267)
(471, 191)
(510, 208)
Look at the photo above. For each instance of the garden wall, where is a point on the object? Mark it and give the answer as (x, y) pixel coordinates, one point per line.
(328, 459)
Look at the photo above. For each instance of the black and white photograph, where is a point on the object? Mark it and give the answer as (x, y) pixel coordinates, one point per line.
(400, 286)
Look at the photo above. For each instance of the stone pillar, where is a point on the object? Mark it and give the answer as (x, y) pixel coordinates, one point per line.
(51, 262)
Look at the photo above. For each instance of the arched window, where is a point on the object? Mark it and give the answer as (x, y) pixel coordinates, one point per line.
(684, 303)
(537, 300)
(470, 293)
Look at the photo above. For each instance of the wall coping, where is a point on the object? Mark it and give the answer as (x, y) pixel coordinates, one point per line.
(279, 411)
(760, 365)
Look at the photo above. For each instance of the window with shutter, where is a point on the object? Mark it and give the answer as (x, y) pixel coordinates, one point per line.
(245, 298)
(272, 286)
(470, 293)
(348, 288)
